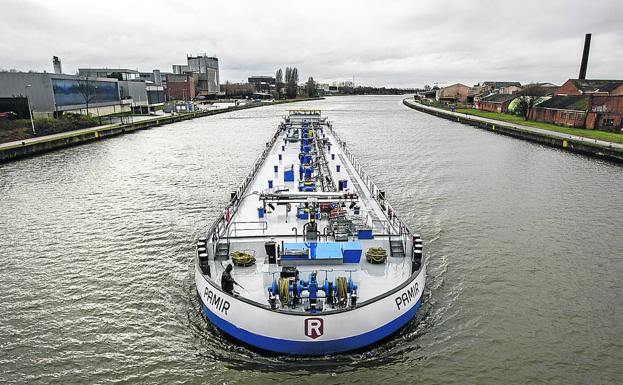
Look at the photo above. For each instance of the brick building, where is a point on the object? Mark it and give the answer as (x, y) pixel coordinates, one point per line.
(456, 93)
(180, 87)
(499, 87)
(511, 89)
(562, 110)
(605, 113)
(593, 87)
(484, 89)
(496, 102)
(539, 89)
(592, 104)
(240, 90)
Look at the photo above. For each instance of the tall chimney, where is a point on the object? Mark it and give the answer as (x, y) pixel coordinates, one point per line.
(587, 48)
(57, 65)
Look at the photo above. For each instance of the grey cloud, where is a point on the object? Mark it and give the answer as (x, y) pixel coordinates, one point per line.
(394, 43)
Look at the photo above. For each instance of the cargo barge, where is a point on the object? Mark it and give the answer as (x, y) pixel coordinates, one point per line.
(308, 257)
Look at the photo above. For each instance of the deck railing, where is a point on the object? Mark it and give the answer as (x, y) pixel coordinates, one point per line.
(395, 226)
(247, 226)
(219, 228)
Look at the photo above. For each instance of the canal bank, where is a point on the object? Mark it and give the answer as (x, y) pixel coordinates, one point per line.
(29, 147)
(523, 256)
(596, 148)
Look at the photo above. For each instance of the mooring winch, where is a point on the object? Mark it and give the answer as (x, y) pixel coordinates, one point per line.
(290, 291)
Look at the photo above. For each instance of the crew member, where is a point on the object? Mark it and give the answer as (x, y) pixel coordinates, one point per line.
(227, 281)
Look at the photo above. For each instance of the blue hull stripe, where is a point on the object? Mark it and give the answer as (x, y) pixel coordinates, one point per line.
(312, 347)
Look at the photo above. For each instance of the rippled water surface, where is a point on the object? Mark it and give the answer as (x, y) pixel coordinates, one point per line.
(524, 246)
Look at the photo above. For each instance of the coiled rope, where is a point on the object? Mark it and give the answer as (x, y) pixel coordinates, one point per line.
(284, 290)
(376, 255)
(342, 290)
(240, 258)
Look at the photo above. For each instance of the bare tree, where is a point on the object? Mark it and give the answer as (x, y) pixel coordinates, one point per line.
(238, 89)
(87, 89)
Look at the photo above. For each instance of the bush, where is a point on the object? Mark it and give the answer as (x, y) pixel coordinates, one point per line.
(66, 122)
(21, 128)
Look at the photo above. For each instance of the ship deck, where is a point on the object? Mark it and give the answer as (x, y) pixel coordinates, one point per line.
(247, 231)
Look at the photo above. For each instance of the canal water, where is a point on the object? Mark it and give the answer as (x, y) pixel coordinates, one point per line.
(524, 248)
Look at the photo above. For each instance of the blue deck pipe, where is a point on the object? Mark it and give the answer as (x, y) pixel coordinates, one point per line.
(337, 167)
(276, 168)
(280, 156)
(270, 183)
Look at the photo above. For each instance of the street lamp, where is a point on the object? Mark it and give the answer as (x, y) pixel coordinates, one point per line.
(97, 107)
(32, 122)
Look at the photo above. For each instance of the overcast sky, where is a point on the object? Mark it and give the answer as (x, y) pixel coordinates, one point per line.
(392, 43)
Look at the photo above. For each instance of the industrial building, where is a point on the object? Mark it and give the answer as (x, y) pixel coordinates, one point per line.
(141, 95)
(263, 83)
(584, 103)
(456, 93)
(496, 102)
(562, 110)
(205, 71)
(180, 69)
(106, 91)
(591, 86)
(154, 77)
(51, 94)
(238, 90)
(180, 87)
(587, 103)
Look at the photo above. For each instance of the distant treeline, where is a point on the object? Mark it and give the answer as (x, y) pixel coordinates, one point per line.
(366, 90)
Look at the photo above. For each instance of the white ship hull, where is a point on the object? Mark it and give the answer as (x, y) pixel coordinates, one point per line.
(311, 334)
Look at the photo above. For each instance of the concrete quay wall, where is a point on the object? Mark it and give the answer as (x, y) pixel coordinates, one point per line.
(585, 147)
(54, 142)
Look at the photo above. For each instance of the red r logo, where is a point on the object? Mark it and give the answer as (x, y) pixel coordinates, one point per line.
(313, 327)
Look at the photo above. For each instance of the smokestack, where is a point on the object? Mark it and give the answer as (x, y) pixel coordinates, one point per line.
(58, 69)
(587, 48)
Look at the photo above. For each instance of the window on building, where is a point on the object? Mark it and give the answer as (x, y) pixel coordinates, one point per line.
(563, 115)
(571, 115)
(608, 122)
(580, 117)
